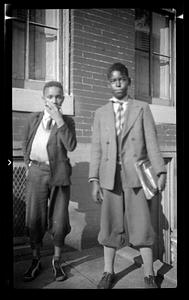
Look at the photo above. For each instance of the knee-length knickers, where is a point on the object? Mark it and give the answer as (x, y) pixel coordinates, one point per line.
(46, 207)
(125, 217)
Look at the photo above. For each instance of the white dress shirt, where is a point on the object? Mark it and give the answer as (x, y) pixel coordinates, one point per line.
(39, 145)
(116, 104)
(46, 118)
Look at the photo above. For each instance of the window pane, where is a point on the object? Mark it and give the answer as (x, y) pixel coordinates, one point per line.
(160, 34)
(142, 45)
(42, 53)
(142, 74)
(161, 80)
(19, 13)
(142, 29)
(18, 49)
(44, 16)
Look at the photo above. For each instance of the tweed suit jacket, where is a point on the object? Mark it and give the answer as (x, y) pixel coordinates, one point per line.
(138, 141)
(61, 140)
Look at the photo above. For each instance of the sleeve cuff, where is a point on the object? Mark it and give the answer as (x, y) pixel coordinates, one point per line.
(93, 179)
(161, 173)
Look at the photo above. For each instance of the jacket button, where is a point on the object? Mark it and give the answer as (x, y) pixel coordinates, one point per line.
(134, 155)
(133, 139)
(107, 142)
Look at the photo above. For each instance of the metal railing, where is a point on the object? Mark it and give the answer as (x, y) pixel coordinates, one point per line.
(19, 183)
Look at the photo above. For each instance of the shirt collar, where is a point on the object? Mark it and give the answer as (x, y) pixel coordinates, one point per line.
(115, 100)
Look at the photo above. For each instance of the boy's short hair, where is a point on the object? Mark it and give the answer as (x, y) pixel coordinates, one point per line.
(117, 67)
(53, 83)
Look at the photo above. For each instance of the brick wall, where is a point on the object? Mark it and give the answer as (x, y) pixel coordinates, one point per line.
(19, 119)
(99, 37)
(166, 134)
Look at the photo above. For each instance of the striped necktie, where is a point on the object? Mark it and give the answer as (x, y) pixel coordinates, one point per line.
(119, 118)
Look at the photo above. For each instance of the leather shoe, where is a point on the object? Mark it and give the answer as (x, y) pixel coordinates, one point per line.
(58, 271)
(106, 281)
(33, 271)
(150, 282)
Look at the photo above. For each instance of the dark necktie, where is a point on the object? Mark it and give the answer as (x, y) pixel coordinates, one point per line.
(49, 124)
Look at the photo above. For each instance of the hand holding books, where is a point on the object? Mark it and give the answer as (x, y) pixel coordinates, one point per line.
(149, 180)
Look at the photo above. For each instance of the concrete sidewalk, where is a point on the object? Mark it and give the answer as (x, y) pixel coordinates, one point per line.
(85, 268)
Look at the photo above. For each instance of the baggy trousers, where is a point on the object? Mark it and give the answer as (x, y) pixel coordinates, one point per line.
(46, 207)
(125, 216)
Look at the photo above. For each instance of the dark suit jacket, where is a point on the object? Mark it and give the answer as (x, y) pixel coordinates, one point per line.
(139, 141)
(61, 140)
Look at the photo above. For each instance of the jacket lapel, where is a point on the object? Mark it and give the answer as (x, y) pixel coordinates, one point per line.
(110, 120)
(35, 124)
(131, 114)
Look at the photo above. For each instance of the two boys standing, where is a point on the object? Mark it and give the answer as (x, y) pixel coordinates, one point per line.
(124, 132)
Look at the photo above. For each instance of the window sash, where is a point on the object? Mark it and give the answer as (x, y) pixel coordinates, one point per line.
(166, 85)
(26, 79)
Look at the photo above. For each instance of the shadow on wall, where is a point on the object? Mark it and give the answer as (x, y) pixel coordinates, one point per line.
(84, 213)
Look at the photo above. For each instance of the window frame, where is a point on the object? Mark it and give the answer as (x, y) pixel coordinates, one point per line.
(35, 83)
(172, 56)
(28, 98)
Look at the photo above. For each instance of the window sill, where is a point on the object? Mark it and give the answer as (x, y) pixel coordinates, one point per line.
(27, 100)
(163, 114)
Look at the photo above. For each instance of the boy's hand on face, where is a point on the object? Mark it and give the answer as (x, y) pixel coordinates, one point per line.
(97, 194)
(54, 112)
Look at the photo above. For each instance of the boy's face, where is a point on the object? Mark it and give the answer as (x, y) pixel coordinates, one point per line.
(55, 95)
(119, 84)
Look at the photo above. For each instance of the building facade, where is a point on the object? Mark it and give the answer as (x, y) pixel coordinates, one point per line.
(76, 46)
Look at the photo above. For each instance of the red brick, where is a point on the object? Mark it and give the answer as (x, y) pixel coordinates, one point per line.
(91, 94)
(85, 113)
(87, 132)
(91, 29)
(79, 132)
(81, 73)
(101, 17)
(93, 69)
(83, 120)
(83, 126)
(82, 86)
(90, 107)
(84, 139)
(95, 82)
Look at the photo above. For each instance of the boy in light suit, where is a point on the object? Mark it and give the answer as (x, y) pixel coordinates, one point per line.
(123, 133)
(48, 136)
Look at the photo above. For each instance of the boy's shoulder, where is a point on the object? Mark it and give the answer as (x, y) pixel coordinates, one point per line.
(103, 108)
(139, 102)
(133, 100)
(68, 119)
(34, 115)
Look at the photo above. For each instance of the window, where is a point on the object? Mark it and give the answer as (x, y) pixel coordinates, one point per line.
(40, 52)
(35, 43)
(154, 50)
